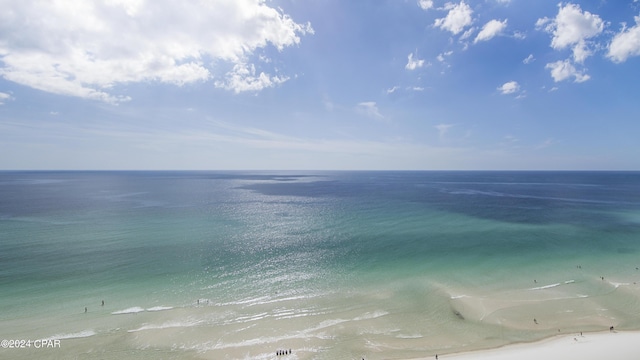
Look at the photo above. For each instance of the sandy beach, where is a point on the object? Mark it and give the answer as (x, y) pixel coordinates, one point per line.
(590, 346)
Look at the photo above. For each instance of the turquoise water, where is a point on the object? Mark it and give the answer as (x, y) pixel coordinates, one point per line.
(393, 265)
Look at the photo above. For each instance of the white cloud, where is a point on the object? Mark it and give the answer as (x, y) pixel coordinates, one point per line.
(328, 104)
(545, 144)
(467, 34)
(243, 78)
(490, 30)
(571, 28)
(425, 4)
(85, 48)
(519, 35)
(392, 90)
(563, 70)
(509, 87)
(370, 109)
(626, 43)
(458, 17)
(441, 57)
(443, 129)
(4, 97)
(529, 59)
(413, 64)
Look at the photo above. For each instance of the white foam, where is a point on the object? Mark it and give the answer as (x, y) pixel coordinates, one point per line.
(263, 300)
(371, 315)
(131, 310)
(249, 301)
(160, 308)
(249, 318)
(617, 285)
(546, 287)
(167, 325)
(78, 335)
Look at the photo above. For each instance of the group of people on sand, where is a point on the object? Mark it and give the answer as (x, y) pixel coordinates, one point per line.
(283, 352)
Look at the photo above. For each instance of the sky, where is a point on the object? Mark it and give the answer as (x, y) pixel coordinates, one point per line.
(319, 85)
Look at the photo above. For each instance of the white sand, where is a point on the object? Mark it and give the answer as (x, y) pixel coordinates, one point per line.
(590, 346)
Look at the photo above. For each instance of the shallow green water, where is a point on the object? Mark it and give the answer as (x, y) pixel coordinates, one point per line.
(331, 265)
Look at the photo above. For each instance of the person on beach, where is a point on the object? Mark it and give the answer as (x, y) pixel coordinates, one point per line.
(85, 309)
(102, 303)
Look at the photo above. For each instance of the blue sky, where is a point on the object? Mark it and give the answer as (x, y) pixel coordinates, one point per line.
(331, 84)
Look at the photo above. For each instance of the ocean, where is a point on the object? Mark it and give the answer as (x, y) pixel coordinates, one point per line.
(320, 265)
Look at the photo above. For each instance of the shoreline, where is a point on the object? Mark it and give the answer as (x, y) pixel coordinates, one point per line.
(588, 346)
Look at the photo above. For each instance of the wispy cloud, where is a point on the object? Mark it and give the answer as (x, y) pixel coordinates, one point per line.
(545, 144)
(243, 77)
(370, 109)
(442, 56)
(413, 64)
(443, 129)
(4, 97)
(529, 59)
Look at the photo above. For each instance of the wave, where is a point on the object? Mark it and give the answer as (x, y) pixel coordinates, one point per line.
(249, 318)
(617, 285)
(131, 310)
(371, 315)
(167, 325)
(77, 335)
(249, 301)
(263, 300)
(160, 308)
(546, 286)
(553, 285)
(138, 309)
(454, 297)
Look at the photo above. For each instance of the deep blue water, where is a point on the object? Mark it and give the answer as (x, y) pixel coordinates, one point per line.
(101, 224)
